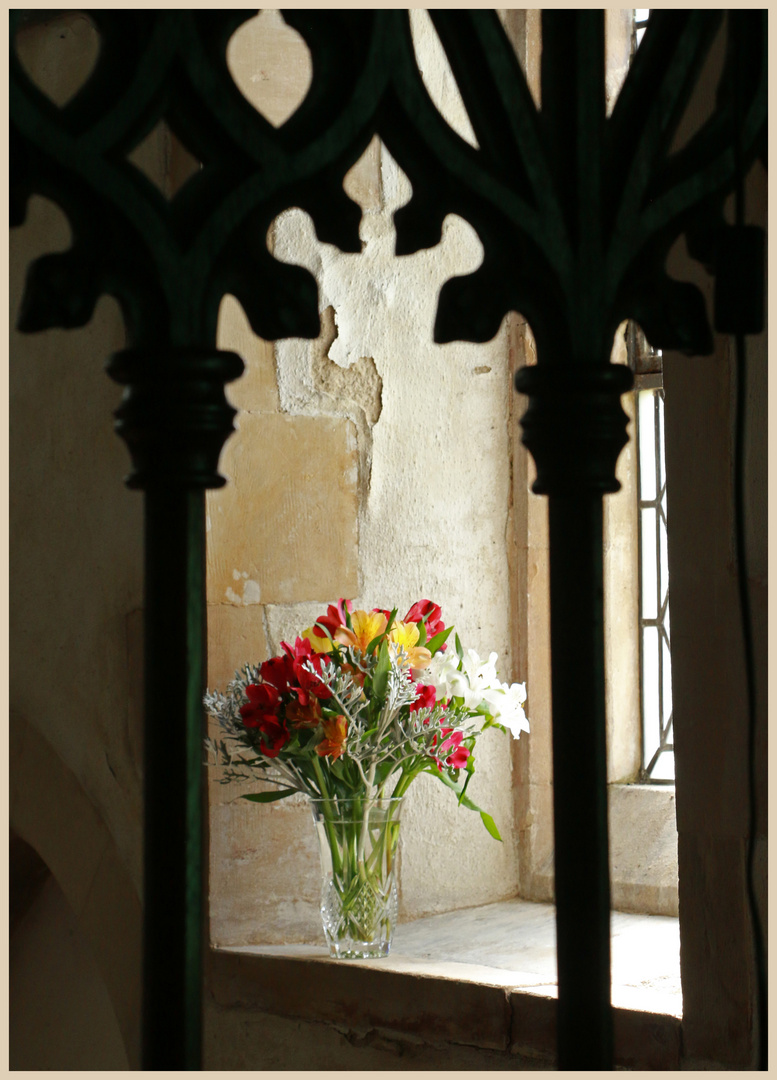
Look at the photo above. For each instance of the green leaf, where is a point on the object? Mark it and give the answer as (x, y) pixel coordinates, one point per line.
(488, 821)
(459, 649)
(383, 771)
(268, 796)
(375, 642)
(380, 676)
(439, 639)
(390, 623)
(464, 800)
(326, 631)
(421, 632)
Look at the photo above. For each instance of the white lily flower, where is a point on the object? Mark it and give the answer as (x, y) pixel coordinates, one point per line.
(511, 713)
(444, 676)
(478, 684)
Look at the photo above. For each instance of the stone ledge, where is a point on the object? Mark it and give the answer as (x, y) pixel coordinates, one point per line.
(416, 1001)
(367, 995)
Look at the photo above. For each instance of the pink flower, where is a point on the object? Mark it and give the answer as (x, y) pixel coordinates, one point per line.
(454, 754)
(425, 697)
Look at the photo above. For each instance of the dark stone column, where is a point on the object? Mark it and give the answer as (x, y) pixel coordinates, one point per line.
(175, 419)
(575, 428)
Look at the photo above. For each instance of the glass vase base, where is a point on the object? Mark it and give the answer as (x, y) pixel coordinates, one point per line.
(357, 950)
(362, 927)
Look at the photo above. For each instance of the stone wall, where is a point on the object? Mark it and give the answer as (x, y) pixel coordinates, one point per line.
(371, 464)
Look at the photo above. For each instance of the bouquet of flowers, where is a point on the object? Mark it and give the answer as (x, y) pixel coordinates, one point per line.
(350, 715)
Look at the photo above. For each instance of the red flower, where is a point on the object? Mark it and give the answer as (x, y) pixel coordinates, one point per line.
(425, 697)
(334, 618)
(274, 735)
(307, 681)
(431, 612)
(259, 712)
(279, 672)
(262, 700)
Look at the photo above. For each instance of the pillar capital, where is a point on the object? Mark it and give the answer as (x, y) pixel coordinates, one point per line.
(575, 426)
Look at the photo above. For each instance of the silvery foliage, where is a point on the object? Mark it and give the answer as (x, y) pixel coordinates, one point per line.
(397, 736)
(410, 735)
(237, 750)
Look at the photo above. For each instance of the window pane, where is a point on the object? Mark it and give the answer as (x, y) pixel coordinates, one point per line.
(659, 398)
(649, 564)
(664, 767)
(666, 682)
(647, 446)
(650, 715)
(664, 567)
(657, 750)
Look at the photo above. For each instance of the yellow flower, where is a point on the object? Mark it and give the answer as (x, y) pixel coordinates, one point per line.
(319, 644)
(408, 654)
(366, 626)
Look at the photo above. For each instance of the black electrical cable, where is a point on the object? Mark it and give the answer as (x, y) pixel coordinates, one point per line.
(743, 582)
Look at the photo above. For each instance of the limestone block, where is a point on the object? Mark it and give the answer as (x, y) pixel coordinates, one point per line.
(257, 389)
(448, 859)
(617, 35)
(235, 637)
(535, 843)
(286, 623)
(285, 528)
(264, 872)
(643, 848)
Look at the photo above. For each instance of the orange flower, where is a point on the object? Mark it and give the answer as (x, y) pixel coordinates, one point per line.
(366, 626)
(333, 743)
(357, 675)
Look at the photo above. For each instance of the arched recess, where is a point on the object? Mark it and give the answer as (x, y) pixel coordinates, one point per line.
(51, 812)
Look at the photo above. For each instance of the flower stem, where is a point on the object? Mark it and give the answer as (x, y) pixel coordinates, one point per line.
(326, 809)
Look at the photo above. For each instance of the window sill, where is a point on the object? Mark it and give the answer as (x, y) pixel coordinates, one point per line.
(483, 977)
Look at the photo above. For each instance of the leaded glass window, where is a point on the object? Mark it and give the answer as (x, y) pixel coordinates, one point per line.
(654, 627)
